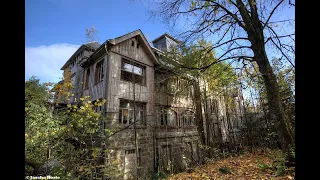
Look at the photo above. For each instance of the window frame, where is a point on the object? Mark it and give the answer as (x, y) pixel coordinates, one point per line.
(188, 118)
(99, 73)
(124, 74)
(164, 118)
(140, 112)
(87, 79)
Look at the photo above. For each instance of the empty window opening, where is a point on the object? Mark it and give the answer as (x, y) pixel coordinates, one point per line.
(86, 82)
(99, 74)
(188, 118)
(166, 116)
(165, 158)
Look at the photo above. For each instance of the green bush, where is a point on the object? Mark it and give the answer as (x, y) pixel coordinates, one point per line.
(264, 166)
(159, 175)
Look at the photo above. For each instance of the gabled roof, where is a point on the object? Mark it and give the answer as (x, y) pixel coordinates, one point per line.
(168, 35)
(93, 45)
(142, 37)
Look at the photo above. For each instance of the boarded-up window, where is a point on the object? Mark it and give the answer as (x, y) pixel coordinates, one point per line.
(133, 72)
(99, 74)
(86, 82)
(126, 112)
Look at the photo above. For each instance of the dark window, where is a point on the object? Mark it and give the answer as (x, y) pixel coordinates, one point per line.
(166, 116)
(132, 43)
(99, 74)
(133, 72)
(133, 151)
(188, 118)
(165, 159)
(86, 82)
(126, 112)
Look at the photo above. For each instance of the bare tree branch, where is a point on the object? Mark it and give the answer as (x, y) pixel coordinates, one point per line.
(272, 13)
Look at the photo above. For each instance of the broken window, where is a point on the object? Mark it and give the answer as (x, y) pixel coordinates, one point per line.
(99, 74)
(166, 116)
(86, 82)
(133, 72)
(126, 112)
(188, 118)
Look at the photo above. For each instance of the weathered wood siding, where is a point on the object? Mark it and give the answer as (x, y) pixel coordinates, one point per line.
(126, 49)
(78, 71)
(123, 89)
(118, 88)
(95, 91)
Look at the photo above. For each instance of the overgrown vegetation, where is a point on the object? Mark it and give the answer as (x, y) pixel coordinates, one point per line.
(263, 164)
(68, 143)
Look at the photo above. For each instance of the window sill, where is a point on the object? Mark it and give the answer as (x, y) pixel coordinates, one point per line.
(122, 80)
(138, 126)
(169, 127)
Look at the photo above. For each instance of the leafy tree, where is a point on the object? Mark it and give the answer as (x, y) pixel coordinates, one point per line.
(62, 90)
(73, 136)
(40, 126)
(243, 29)
(220, 77)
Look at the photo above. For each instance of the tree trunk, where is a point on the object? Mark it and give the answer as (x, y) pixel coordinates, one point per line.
(207, 117)
(199, 118)
(276, 113)
(254, 29)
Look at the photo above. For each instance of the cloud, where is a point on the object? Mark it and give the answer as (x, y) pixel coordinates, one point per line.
(45, 62)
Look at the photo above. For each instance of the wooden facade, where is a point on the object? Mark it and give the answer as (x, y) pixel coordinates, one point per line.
(161, 143)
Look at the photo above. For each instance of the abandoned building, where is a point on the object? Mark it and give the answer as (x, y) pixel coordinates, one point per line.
(128, 72)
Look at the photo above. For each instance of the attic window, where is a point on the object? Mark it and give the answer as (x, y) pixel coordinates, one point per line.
(132, 43)
(138, 45)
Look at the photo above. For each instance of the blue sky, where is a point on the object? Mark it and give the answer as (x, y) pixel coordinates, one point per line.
(54, 29)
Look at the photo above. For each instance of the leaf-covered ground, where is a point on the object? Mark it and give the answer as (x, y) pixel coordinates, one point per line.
(242, 167)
